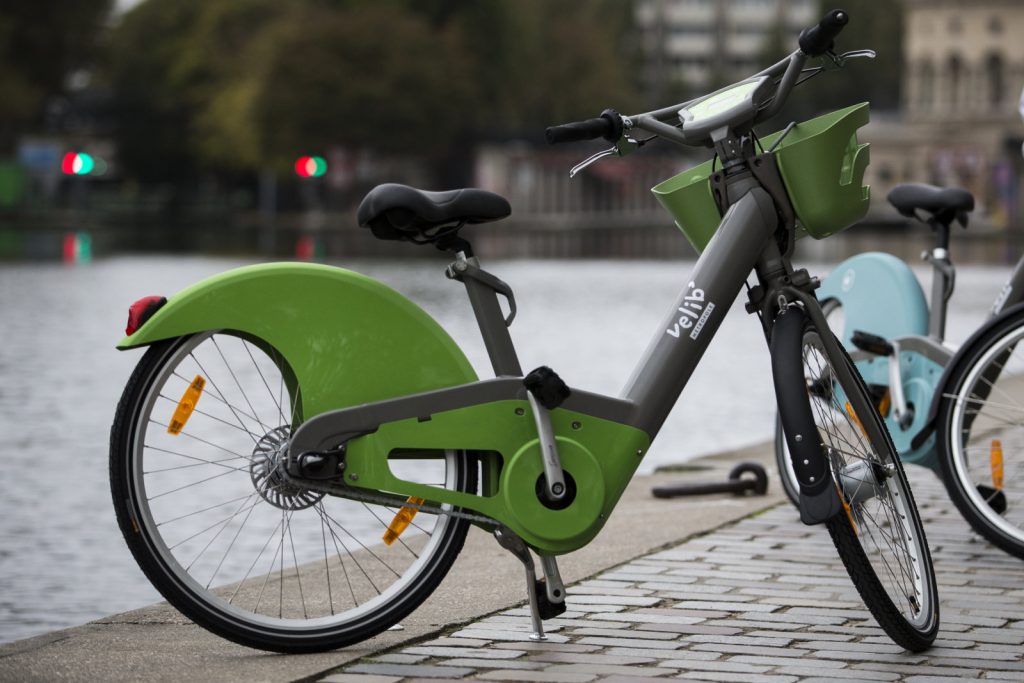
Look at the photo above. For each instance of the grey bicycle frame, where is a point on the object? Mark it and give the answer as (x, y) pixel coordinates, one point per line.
(748, 239)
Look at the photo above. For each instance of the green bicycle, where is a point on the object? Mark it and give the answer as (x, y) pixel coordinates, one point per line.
(298, 455)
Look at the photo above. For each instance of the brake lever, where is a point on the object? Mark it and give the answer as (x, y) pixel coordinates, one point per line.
(625, 145)
(840, 60)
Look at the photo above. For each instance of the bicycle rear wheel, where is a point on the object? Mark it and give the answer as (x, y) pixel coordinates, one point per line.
(981, 434)
(878, 535)
(218, 529)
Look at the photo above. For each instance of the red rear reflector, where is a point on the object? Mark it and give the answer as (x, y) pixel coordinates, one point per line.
(141, 311)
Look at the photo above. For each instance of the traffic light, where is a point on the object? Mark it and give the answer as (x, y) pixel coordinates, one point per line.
(77, 163)
(310, 167)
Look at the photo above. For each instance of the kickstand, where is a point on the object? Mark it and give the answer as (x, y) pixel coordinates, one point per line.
(508, 540)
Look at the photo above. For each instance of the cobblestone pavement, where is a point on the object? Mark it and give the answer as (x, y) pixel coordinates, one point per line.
(762, 600)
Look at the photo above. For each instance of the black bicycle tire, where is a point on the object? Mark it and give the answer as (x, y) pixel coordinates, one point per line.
(952, 387)
(792, 392)
(226, 625)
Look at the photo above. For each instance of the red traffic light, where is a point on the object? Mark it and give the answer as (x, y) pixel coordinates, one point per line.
(310, 167)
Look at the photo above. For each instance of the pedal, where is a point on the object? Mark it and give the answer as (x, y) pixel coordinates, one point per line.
(871, 343)
(547, 387)
(545, 608)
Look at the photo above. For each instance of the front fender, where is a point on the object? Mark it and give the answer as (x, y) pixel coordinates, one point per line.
(346, 338)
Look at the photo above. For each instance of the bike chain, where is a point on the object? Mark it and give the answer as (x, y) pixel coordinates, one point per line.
(389, 501)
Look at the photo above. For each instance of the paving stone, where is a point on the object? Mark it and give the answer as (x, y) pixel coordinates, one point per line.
(606, 590)
(631, 642)
(917, 669)
(404, 670)
(585, 601)
(738, 678)
(725, 606)
(647, 618)
(458, 642)
(359, 678)
(734, 648)
(715, 665)
(477, 652)
(705, 628)
(769, 660)
(608, 669)
(511, 635)
(547, 646)
(492, 663)
(661, 654)
(591, 658)
(398, 658)
(740, 640)
(621, 633)
(809, 672)
(630, 679)
(536, 676)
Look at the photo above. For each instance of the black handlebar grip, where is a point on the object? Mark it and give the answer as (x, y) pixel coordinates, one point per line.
(591, 129)
(817, 40)
(608, 126)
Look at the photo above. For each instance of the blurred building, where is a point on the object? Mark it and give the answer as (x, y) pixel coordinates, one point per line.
(959, 124)
(703, 43)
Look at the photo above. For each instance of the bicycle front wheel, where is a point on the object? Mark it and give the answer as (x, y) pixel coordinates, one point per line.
(197, 478)
(981, 434)
(879, 534)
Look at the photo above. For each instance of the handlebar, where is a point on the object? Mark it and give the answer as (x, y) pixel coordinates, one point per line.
(814, 41)
(817, 40)
(608, 126)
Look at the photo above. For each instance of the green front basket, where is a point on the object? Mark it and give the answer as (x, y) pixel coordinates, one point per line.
(822, 166)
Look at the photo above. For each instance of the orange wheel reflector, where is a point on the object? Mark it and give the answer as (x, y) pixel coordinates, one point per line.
(856, 420)
(186, 405)
(402, 519)
(995, 454)
(849, 512)
(885, 405)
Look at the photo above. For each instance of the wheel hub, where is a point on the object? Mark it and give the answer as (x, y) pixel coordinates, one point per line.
(267, 472)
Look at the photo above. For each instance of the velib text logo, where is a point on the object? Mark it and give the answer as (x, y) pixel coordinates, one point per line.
(694, 313)
(1001, 299)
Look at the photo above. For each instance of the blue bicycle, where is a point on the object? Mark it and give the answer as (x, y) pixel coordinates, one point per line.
(958, 412)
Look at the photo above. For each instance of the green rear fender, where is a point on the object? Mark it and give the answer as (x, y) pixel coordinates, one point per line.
(346, 338)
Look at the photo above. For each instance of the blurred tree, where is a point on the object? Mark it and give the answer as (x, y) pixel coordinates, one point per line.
(40, 44)
(240, 84)
(183, 81)
(366, 75)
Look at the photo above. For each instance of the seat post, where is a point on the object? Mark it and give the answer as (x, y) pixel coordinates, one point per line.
(482, 289)
(943, 278)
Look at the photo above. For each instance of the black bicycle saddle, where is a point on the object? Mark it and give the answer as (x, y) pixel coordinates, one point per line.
(943, 203)
(400, 212)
